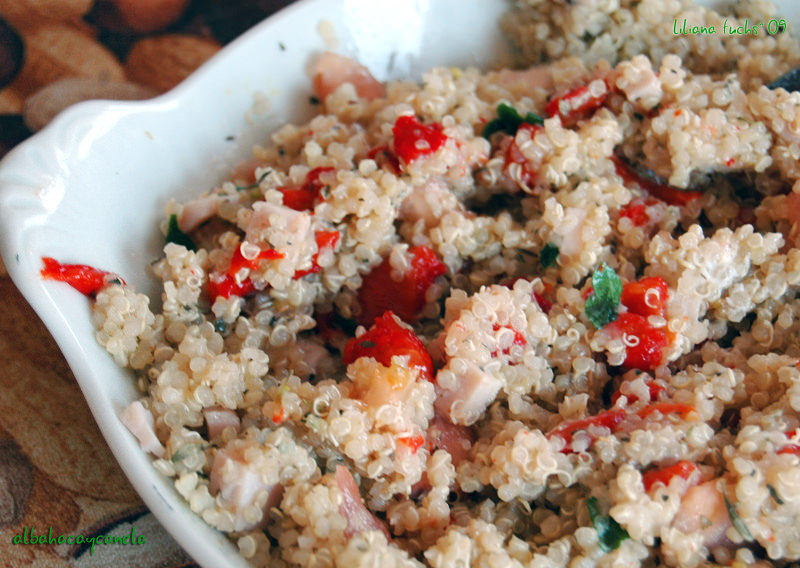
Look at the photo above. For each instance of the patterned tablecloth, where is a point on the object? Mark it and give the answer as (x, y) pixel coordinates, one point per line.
(56, 471)
(57, 475)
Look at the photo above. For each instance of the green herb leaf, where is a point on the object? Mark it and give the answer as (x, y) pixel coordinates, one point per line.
(187, 450)
(175, 235)
(609, 533)
(347, 325)
(737, 521)
(602, 305)
(257, 182)
(774, 493)
(314, 422)
(549, 255)
(509, 120)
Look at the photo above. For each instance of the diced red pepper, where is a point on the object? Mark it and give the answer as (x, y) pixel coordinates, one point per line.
(667, 408)
(609, 419)
(545, 304)
(637, 213)
(656, 390)
(226, 286)
(325, 239)
(85, 279)
(647, 297)
(238, 261)
(379, 292)
(519, 339)
(684, 469)
(279, 416)
(385, 339)
(575, 105)
(644, 344)
(668, 194)
(385, 158)
(513, 155)
(792, 449)
(414, 443)
(308, 195)
(412, 139)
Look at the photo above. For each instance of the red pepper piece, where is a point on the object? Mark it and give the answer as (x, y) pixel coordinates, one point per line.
(611, 419)
(379, 292)
(545, 304)
(667, 408)
(647, 297)
(575, 105)
(668, 194)
(644, 344)
(513, 155)
(656, 390)
(519, 339)
(637, 213)
(413, 139)
(608, 418)
(385, 339)
(325, 239)
(238, 261)
(227, 286)
(414, 443)
(85, 279)
(308, 195)
(792, 449)
(385, 159)
(684, 469)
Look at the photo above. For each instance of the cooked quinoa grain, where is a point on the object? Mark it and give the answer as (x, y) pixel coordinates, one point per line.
(525, 318)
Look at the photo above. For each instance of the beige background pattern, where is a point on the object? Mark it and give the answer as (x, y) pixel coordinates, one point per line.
(55, 467)
(56, 470)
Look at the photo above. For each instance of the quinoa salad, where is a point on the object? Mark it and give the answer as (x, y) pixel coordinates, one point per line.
(538, 316)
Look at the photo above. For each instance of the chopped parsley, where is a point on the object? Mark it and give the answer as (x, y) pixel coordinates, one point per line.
(509, 120)
(257, 182)
(175, 235)
(774, 493)
(347, 325)
(737, 521)
(609, 533)
(549, 255)
(188, 450)
(602, 305)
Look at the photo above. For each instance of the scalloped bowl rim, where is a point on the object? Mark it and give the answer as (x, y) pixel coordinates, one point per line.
(44, 181)
(51, 176)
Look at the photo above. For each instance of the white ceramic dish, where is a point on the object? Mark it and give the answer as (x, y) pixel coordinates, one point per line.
(91, 187)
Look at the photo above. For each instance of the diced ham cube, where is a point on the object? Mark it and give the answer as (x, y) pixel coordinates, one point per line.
(359, 518)
(139, 421)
